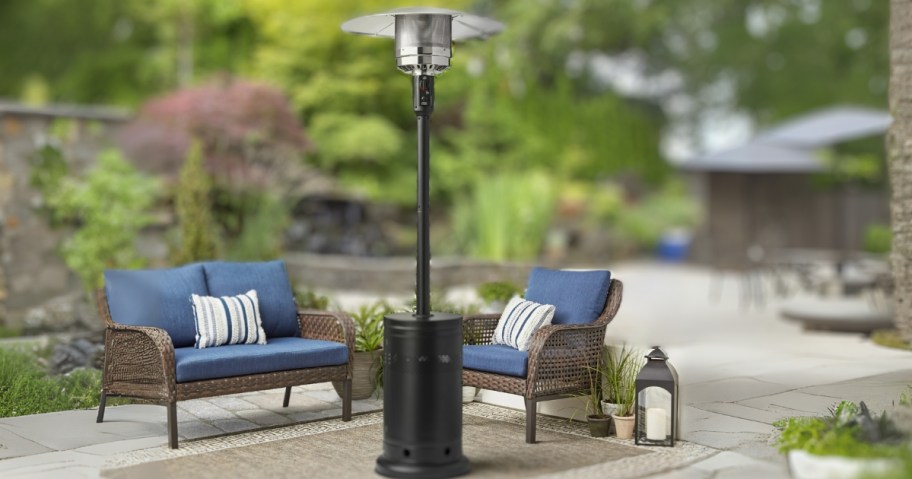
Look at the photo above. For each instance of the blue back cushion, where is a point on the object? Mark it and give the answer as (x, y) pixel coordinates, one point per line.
(270, 280)
(157, 297)
(578, 296)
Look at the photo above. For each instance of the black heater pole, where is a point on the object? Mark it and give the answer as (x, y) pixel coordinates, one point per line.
(423, 104)
(422, 368)
(422, 351)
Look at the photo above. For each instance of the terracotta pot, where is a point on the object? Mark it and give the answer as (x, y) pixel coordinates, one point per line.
(623, 426)
(364, 367)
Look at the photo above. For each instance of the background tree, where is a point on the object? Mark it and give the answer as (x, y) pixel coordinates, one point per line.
(899, 145)
(109, 207)
(197, 233)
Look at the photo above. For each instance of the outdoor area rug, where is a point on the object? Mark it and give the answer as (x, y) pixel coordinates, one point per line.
(493, 439)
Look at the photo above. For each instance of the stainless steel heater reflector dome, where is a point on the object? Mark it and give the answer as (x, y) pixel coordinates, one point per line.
(423, 35)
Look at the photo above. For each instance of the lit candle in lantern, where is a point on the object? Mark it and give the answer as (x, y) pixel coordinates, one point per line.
(655, 424)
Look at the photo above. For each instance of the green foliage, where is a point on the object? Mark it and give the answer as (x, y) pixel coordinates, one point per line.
(198, 238)
(850, 168)
(117, 51)
(48, 169)
(440, 304)
(109, 208)
(369, 326)
(309, 299)
(9, 332)
(348, 140)
(890, 338)
(507, 217)
(619, 370)
(646, 221)
(261, 220)
(497, 291)
(26, 389)
(849, 431)
(878, 239)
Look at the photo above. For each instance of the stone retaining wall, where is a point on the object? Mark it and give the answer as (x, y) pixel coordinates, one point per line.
(394, 275)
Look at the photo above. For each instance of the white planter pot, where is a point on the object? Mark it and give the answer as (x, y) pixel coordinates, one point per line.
(468, 393)
(804, 465)
(608, 408)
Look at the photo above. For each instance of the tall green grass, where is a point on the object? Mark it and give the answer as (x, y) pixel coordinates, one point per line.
(25, 388)
(506, 217)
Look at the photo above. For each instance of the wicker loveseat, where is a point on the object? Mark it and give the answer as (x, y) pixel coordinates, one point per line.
(150, 334)
(562, 355)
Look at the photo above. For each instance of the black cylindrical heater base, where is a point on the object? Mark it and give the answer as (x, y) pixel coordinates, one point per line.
(422, 397)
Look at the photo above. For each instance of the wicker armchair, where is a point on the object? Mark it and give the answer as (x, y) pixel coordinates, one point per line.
(560, 358)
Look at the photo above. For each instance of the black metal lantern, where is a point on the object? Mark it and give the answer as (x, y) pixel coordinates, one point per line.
(422, 374)
(656, 401)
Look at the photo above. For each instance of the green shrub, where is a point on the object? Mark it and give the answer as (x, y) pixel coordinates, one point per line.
(259, 221)
(9, 332)
(878, 239)
(109, 208)
(26, 389)
(497, 291)
(309, 299)
(507, 217)
(849, 431)
(197, 237)
(646, 221)
(369, 326)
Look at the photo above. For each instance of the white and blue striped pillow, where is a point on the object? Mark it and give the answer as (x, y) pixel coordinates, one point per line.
(519, 321)
(227, 320)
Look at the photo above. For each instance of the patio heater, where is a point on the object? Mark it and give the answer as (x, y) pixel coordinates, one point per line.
(422, 375)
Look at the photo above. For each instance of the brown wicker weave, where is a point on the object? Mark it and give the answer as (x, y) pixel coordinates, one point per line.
(560, 358)
(139, 363)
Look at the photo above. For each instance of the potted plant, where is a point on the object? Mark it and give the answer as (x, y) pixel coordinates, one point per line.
(849, 443)
(621, 367)
(367, 359)
(496, 294)
(599, 422)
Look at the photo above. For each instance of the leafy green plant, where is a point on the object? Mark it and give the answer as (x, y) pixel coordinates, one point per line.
(506, 217)
(497, 291)
(261, 223)
(878, 239)
(850, 431)
(646, 221)
(440, 304)
(25, 388)
(621, 367)
(109, 208)
(309, 299)
(9, 332)
(369, 326)
(198, 239)
(890, 338)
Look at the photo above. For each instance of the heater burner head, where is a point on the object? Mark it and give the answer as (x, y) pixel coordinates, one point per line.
(423, 35)
(423, 43)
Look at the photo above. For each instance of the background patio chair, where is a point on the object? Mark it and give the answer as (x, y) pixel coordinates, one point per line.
(559, 360)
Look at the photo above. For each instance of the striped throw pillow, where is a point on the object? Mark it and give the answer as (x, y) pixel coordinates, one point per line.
(519, 321)
(227, 320)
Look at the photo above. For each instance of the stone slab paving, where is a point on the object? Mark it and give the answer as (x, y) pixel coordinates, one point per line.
(740, 370)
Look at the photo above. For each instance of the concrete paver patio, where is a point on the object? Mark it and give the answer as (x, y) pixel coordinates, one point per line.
(740, 371)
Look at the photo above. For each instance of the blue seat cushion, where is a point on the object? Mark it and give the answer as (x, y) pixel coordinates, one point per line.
(278, 354)
(496, 358)
(158, 298)
(270, 280)
(578, 297)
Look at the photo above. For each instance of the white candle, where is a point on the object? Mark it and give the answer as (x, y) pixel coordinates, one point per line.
(655, 424)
